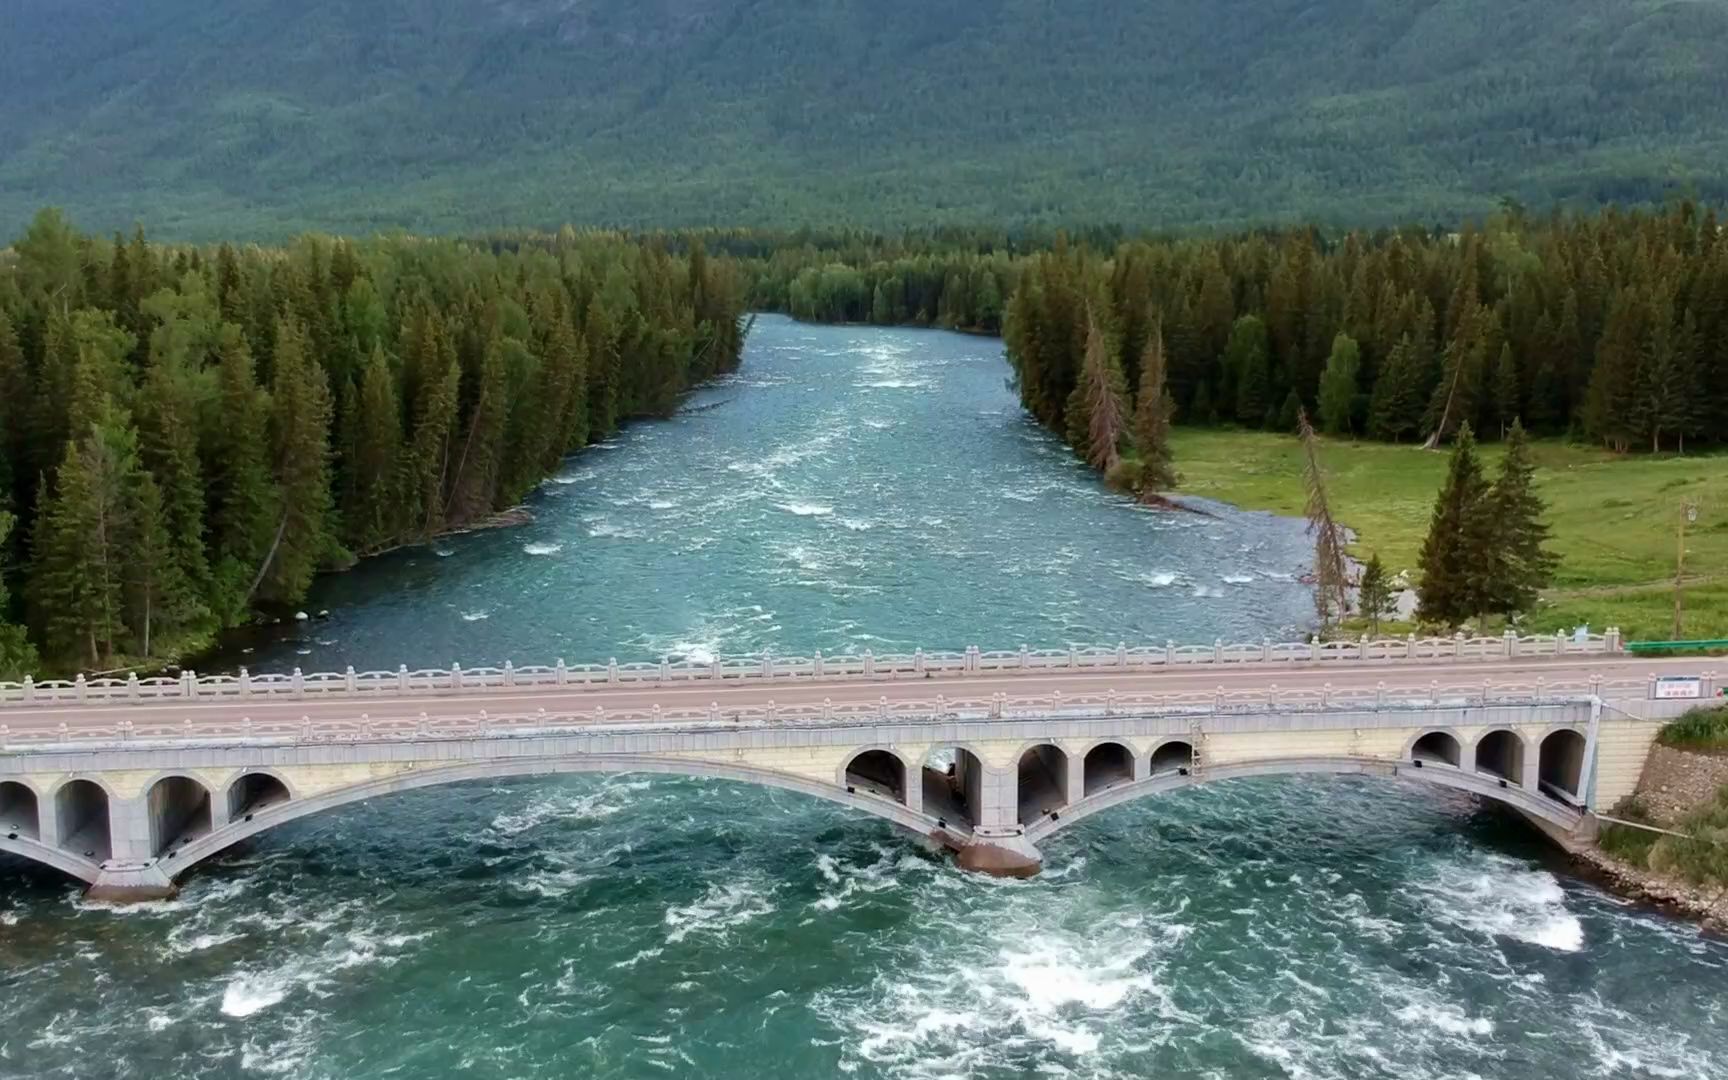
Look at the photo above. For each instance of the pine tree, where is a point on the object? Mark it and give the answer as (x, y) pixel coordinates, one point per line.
(1506, 389)
(1331, 572)
(427, 461)
(475, 478)
(17, 654)
(1338, 385)
(1394, 408)
(1152, 413)
(371, 516)
(168, 444)
(1455, 554)
(1290, 415)
(15, 405)
(1248, 357)
(300, 445)
(1374, 596)
(80, 552)
(1519, 566)
(244, 499)
(158, 596)
(1096, 412)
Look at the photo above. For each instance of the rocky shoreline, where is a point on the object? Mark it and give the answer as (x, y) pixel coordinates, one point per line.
(1706, 906)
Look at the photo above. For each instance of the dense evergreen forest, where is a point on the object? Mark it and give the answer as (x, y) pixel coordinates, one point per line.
(268, 117)
(1611, 327)
(189, 434)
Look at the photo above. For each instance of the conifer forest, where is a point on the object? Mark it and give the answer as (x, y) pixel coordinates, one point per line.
(190, 434)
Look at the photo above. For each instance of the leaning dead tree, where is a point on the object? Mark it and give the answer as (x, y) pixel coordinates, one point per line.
(1331, 568)
(1102, 389)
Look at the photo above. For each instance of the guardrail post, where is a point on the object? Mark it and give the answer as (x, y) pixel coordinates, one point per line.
(998, 701)
(1025, 661)
(881, 707)
(1072, 664)
(245, 683)
(1218, 699)
(1380, 695)
(1314, 646)
(816, 662)
(767, 665)
(1596, 686)
(1433, 690)
(1457, 644)
(1056, 701)
(1486, 684)
(1511, 639)
(1611, 640)
(561, 674)
(941, 704)
(29, 689)
(305, 729)
(1362, 649)
(510, 673)
(1709, 684)
(245, 727)
(1122, 655)
(299, 684)
(455, 676)
(1325, 695)
(1272, 694)
(78, 686)
(486, 723)
(185, 684)
(1169, 651)
(133, 693)
(1559, 643)
(665, 669)
(185, 727)
(1541, 690)
(125, 731)
(1266, 649)
(402, 678)
(827, 708)
(5, 735)
(714, 669)
(918, 661)
(772, 711)
(612, 669)
(869, 664)
(1110, 703)
(1218, 650)
(657, 716)
(972, 663)
(348, 679)
(1410, 645)
(714, 712)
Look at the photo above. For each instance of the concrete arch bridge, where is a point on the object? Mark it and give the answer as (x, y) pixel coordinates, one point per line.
(130, 796)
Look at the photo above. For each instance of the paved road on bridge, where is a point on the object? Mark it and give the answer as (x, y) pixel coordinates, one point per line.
(1624, 675)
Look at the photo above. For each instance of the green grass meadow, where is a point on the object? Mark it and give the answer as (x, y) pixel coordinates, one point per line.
(1612, 517)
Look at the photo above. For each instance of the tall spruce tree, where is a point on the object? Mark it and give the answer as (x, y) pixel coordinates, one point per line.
(1097, 409)
(1248, 358)
(1338, 386)
(1152, 412)
(1331, 565)
(17, 654)
(300, 448)
(370, 518)
(1519, 565)
(1456, 553)
(78, 574)
(1374, 596)
(245, 501)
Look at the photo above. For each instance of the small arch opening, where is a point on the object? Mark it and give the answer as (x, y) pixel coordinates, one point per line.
(1437, 748)
(19, 813)
(254, 792)
(1172, 757)
(1041, 782)
(179, 813)
(1107, 765)
(1501, 753)
(878, 772)
(1560, 763)
(954, 786)
(81, 812)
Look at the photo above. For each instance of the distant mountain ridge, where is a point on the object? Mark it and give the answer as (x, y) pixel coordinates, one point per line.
(258, 117)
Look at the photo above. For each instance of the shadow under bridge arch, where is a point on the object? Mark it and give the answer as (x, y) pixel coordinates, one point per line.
(270, 806)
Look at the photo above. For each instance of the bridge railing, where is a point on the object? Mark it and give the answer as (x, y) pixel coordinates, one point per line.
(851, 666)
(141, 729)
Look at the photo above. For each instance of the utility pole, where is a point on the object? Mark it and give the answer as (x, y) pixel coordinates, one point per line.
(1688, 514)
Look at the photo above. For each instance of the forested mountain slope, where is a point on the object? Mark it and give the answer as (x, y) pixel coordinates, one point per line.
(258, 116)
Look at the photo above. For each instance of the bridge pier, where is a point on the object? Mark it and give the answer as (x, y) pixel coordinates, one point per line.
(130, 883)
(1009, 854)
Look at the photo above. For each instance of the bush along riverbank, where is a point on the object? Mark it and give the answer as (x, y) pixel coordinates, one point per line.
(1679, 858)
(191, 433)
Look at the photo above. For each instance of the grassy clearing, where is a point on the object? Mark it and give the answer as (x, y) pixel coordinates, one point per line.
(1613, 517)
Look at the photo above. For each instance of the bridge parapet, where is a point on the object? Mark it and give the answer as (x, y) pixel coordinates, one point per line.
(919, 664)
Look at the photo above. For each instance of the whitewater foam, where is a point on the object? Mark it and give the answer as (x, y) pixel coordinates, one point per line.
(541, 547)
(806, 509)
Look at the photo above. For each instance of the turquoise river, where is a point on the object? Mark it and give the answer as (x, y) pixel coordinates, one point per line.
(851, 488)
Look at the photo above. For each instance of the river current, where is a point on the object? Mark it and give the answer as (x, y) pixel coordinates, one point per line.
(850, 488)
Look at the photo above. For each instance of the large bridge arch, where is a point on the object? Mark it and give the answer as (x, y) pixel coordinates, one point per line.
(201, 848)
(1528, 802)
